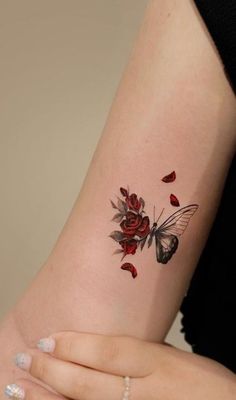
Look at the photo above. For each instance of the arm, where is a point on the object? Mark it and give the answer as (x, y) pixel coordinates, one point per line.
(174, 109)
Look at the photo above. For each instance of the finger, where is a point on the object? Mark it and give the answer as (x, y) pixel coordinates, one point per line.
(121, 355)
(26, 390)
(78, 382)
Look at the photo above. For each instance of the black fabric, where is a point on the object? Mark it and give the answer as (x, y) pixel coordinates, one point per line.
(220, 19)
(210, 305)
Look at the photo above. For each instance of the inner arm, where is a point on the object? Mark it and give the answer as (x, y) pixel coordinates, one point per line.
(173, 110)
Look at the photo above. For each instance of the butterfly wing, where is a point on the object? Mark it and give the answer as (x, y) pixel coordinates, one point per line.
(166, 246)
(177, 222)
(166, 235)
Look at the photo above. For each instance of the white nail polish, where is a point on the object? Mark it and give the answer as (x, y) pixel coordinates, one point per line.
(47, 345)
(23, 360)
(14, 391)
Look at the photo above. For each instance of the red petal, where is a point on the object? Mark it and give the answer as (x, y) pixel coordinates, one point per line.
(124, 192)
(169, 178)
(130, 267)
(174, 201)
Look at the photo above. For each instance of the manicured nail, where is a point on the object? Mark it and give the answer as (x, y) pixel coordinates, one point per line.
(23, 360)
(14, 391)
(47, 345)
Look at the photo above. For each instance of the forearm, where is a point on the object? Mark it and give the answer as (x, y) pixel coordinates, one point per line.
(165, 106)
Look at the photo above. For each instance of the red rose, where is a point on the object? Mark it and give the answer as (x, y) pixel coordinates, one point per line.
(132, 202)
(129, 246)
(131, 223)
(144, 228)
(135, 224)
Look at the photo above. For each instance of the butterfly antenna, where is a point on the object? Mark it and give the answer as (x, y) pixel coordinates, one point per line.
(160, 216)
(154, 213)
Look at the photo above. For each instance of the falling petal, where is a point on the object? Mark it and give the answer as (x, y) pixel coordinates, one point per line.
(170, 177)
(130, 267)
(174, 201)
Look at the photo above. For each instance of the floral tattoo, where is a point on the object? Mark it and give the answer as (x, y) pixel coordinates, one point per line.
(135, 227)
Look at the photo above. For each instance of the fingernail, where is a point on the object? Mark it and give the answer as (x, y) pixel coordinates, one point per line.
(47, 345)
(14, 391)
(23, 360)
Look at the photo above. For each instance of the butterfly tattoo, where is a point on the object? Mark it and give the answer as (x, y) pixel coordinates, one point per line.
(167, 234)
(135, 229)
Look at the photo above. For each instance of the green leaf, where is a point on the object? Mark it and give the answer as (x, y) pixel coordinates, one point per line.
(121, 205)
(118, 251)
(142, 243)
(117, 236)
(150, 240)
(118, 217)
(113, 204)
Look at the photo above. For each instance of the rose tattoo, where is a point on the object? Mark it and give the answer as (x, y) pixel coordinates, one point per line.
(135, 226)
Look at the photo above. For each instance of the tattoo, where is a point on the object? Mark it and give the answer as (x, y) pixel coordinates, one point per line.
(136, 231)
(170, 177)
(173, 200)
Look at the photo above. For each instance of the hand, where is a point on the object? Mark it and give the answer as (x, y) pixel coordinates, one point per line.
(85, 366)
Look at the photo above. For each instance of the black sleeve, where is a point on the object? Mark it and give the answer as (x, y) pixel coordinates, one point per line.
(220, 19)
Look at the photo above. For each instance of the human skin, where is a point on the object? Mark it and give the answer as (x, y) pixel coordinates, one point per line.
(174, 110)
(90, 366)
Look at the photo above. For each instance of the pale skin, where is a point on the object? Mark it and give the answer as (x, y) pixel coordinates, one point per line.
(174, 105)
(157, 371)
